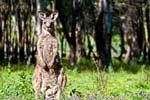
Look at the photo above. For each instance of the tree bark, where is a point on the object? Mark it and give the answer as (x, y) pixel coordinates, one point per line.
(70, 39)
(130, 31)
(103, 33)
(22, 14)
(3, 27)
(147, 12)
(80, 47)
(122, 42)
(141, 32)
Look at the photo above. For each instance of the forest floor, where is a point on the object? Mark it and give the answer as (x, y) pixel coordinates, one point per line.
(83, 83)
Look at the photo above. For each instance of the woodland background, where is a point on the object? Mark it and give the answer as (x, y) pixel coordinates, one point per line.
(85, 28)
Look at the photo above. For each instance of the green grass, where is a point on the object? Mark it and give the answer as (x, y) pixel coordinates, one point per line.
(87, 83)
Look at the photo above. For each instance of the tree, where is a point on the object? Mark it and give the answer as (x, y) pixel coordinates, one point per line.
(147, 12)
(4, 12)
(103, 33)
(22, 15)
(63, 16)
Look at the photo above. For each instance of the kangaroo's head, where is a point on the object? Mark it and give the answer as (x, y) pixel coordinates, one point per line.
(47, 21)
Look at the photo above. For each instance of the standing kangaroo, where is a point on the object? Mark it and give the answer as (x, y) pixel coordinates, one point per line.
(49, 77)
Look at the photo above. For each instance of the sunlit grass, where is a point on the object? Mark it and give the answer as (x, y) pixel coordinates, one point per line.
(16, 83)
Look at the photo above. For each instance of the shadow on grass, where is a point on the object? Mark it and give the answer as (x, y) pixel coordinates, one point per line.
(15, 66)
(83, 65)
(116, 65)
(126, 66)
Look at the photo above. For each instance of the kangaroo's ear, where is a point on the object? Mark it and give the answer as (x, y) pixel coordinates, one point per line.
(54, 16)
(41, 15)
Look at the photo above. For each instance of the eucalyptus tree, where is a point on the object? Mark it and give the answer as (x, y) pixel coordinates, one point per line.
(67, 16)
(129, 18)
(103, 33)
(22, 16)
(4, 14)
(147, 12)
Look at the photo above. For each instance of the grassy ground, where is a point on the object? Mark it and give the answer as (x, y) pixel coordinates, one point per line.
(84, 83)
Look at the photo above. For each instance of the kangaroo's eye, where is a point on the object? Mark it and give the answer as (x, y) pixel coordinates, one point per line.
(44, 22)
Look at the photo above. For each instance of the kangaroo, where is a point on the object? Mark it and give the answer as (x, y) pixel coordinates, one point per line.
(49, 77)
(47, 42)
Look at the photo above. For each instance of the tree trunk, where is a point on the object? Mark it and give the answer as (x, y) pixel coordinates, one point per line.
(23, 13)
(62, 45)
(122, 42)
(70, 39)
(148, 24)
(3, 27)
(103, 33)
(2, 38)
(80, 47)
(73, 37)
(130, 31)
(141, 32)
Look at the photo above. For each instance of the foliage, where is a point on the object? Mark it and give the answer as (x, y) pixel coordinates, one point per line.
(16, 84)
(82, 83)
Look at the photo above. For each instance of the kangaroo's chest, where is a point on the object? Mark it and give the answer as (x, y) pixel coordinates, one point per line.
(48, 42)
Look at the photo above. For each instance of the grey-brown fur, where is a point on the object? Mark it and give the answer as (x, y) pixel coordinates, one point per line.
(49, 77)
